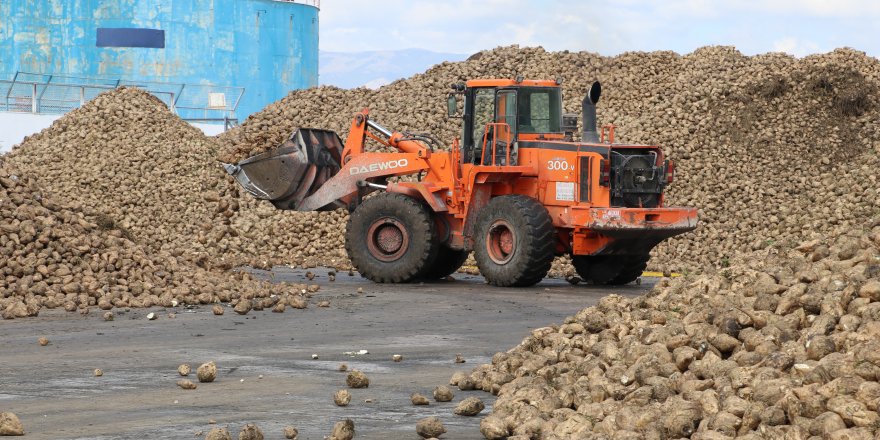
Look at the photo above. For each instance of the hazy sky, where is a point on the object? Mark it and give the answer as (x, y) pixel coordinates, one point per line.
(799, 27)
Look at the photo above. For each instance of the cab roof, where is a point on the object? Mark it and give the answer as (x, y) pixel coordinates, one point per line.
(511, 83)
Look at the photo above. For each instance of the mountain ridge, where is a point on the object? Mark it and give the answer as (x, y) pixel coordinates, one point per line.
(374, 69)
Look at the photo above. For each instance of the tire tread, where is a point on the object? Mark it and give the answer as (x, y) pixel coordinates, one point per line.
(383, 272)
(539, 257)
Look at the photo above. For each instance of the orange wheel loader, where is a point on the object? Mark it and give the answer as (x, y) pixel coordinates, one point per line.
(517, 190)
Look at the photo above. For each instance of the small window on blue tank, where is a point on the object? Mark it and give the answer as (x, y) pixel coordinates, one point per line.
(131, 37)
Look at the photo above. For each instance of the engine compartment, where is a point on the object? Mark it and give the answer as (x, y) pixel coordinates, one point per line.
(638, 178)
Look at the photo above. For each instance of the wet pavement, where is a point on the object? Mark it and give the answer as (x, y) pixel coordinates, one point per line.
(54, 392)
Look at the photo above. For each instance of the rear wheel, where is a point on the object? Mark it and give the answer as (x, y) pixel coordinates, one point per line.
(610, 269)
(514, 241)
(390, 238)
(633, 268)
(448, 261)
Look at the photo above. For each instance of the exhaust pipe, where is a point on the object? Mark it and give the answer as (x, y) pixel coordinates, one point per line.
(588, 107)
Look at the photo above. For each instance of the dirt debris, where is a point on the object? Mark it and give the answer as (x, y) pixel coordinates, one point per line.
(494, 428)
(343, 430)
(43, 341)
(290, 433)
(442, 393)
(469, 407)
(250, 432)
(418, 399)
(357, 379)
(466, 384)
(10, 424)
(186, 384)
(430, 427)
(207, 372)
(244, 306)
(457, 377)
(342, 398)
(298, 302)
(98, 372)
(18, 309)
(184, 369)
(218, 434)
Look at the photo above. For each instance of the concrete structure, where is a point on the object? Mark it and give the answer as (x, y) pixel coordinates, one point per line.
(269, 47)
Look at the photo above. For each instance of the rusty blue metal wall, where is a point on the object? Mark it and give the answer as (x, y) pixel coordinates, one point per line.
(268, 47)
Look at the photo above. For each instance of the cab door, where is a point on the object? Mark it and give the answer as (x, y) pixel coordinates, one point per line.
(502, 133)
(479, 111)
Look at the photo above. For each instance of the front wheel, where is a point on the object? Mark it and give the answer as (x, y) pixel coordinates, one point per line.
(390, 238)
(514, 241)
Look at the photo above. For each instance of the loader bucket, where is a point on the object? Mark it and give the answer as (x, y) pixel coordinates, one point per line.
(295, 170)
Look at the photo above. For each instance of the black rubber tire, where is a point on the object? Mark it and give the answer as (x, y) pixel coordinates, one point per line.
(448, 261)
(633, 269)
(597, 269)
(610, 269)
(533, 247)
(420, 250)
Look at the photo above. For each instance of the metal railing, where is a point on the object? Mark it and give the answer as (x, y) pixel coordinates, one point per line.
(495, 132)
(58, 94)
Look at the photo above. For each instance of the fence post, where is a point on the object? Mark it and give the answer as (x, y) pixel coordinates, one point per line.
(34, 98)
(82, 96)
(173, 106)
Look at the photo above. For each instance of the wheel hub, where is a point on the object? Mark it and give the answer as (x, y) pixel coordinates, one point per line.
(501, 242)
(387, 239)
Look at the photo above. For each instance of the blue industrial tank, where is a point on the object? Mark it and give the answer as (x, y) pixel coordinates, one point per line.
(266, 47)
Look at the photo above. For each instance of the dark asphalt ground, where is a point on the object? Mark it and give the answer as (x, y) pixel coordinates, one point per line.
(54, 392)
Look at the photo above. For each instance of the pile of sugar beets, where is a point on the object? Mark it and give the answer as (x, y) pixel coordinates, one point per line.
(780, 345)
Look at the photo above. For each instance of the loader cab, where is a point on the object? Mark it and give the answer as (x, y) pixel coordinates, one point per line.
(498, 113)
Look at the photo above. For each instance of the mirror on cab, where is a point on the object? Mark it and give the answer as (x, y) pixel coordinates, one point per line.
(451, 105)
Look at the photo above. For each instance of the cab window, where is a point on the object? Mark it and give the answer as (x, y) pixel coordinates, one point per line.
(505, 109)
(484, 113)
(540, 110)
